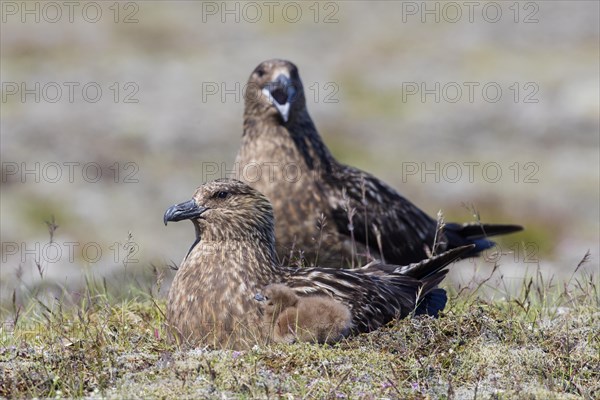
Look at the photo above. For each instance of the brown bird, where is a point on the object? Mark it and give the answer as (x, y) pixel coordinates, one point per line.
(333, 212)
(211, 299)
(290, 318)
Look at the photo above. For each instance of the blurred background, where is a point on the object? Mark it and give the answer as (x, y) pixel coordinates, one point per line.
(113, 111)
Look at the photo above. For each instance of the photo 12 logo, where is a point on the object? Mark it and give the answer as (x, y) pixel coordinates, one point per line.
(317, 92)
(69, 171)
(470, 171)
(71, 92)
(70, 252)
(453, 12)
(471, 92)
(69, 11)
(254, 172)
(520, 252)
(292, 12)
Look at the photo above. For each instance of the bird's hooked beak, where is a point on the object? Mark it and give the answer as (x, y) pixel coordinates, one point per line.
(281, 92)
(187, 210)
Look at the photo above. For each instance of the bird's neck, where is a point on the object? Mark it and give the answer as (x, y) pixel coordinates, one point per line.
(247, 259)
(285, 144)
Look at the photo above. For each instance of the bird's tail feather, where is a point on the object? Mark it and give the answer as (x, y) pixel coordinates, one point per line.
(477, 234)
(430, 266)
(480, 245)
(432, 303)
(474, 231)
(431, 298)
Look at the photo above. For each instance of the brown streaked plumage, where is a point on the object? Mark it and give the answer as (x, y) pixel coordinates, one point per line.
(306, 183)
(211, 299)
(290, 318)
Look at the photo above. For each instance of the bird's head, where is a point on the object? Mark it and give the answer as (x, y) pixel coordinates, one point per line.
(227, 209)
(277, 297)
(274, 89)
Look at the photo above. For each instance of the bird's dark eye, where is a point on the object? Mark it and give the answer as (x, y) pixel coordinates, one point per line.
(222, 195)
(260, 72)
